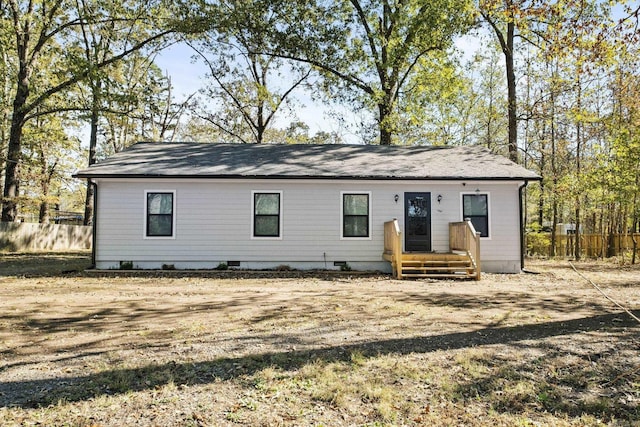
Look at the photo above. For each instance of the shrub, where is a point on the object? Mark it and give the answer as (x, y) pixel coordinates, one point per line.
(538, 242)
(345, 267)
(222, 266)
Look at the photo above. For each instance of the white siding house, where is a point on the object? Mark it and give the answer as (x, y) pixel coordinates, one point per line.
(195, 206)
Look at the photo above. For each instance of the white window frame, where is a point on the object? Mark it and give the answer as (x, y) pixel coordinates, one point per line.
(146, 216)
(478, 193)
(253, 214)
(356, 192)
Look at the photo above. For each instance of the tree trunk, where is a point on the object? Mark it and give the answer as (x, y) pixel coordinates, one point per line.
(634, 227)
(47, 175)
(43, 216)
(511, 94)
(14, 149)
(541, 205)
(4, 117)
(385, 133)
(14, 155)
(554, 172)
(88, 207)
(507, 44)
(611, 245)
(554, 223)
(93, 142)
(385, 137)
(542, 186)
(260, 126)
(578, 249)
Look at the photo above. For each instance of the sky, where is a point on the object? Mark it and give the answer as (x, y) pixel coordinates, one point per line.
(188, 76)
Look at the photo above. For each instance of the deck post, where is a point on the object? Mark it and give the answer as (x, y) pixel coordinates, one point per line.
(478, 266)
(464, 237)
(398, 254)
(397, 248)
(393, 246)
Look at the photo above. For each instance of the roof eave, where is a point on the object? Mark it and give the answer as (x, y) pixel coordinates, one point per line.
(306, 177)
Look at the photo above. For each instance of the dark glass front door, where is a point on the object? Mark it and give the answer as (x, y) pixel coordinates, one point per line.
(417, 222)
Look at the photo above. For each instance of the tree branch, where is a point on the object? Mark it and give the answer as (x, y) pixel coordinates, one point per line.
(82, 75)
(319, 65)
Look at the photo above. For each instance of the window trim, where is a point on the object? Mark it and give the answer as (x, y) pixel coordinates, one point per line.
(478, 193)
(146, 215)
(280, 215)
(368, 194)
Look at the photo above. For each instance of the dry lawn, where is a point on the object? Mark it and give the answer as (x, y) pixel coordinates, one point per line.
(325, 350)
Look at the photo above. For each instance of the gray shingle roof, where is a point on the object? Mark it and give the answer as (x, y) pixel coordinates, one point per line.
(189, 160)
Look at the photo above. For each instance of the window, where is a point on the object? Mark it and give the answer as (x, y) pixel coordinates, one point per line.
(266, 214)
(355, 215)
(159, 214)
(476, 208)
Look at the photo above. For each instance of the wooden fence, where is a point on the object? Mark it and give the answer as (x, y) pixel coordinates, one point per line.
(591, 245)
(28, 237)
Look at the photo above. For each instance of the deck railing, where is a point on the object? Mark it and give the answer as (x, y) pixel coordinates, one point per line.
(393, 245)
(464, 237)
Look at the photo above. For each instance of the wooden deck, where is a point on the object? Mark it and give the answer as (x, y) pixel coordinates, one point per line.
(463, 260)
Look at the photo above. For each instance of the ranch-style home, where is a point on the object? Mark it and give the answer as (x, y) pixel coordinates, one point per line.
(411, 210)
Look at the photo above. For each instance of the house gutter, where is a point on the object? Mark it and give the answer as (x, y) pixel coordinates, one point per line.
(94, 223)
(299, 177)
(520, 204)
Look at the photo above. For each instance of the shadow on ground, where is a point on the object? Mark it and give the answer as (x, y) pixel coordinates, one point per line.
(44, 392)
(53, 264)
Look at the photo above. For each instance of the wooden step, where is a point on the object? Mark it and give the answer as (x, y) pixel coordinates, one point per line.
(434, 265)
(450, 273)
(440, 268)
(438, 276)
(436, 262)
(433, 257)
(430, 268)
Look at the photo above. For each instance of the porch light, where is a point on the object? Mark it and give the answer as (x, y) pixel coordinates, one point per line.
(439, 198)
(396, 198)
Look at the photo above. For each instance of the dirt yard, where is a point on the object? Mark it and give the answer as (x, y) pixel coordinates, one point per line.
(294, 349)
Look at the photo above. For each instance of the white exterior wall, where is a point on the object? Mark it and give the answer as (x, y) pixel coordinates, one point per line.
(213, 223)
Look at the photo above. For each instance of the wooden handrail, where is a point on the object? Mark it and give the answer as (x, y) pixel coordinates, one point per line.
(393, 245)
(464, 237)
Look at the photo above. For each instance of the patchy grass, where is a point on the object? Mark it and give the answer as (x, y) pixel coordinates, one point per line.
(510, 350)
(43, 264)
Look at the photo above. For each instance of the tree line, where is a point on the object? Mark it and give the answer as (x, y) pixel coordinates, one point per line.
(551, 84)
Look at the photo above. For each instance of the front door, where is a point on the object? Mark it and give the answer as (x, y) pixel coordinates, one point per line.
(417, 222)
